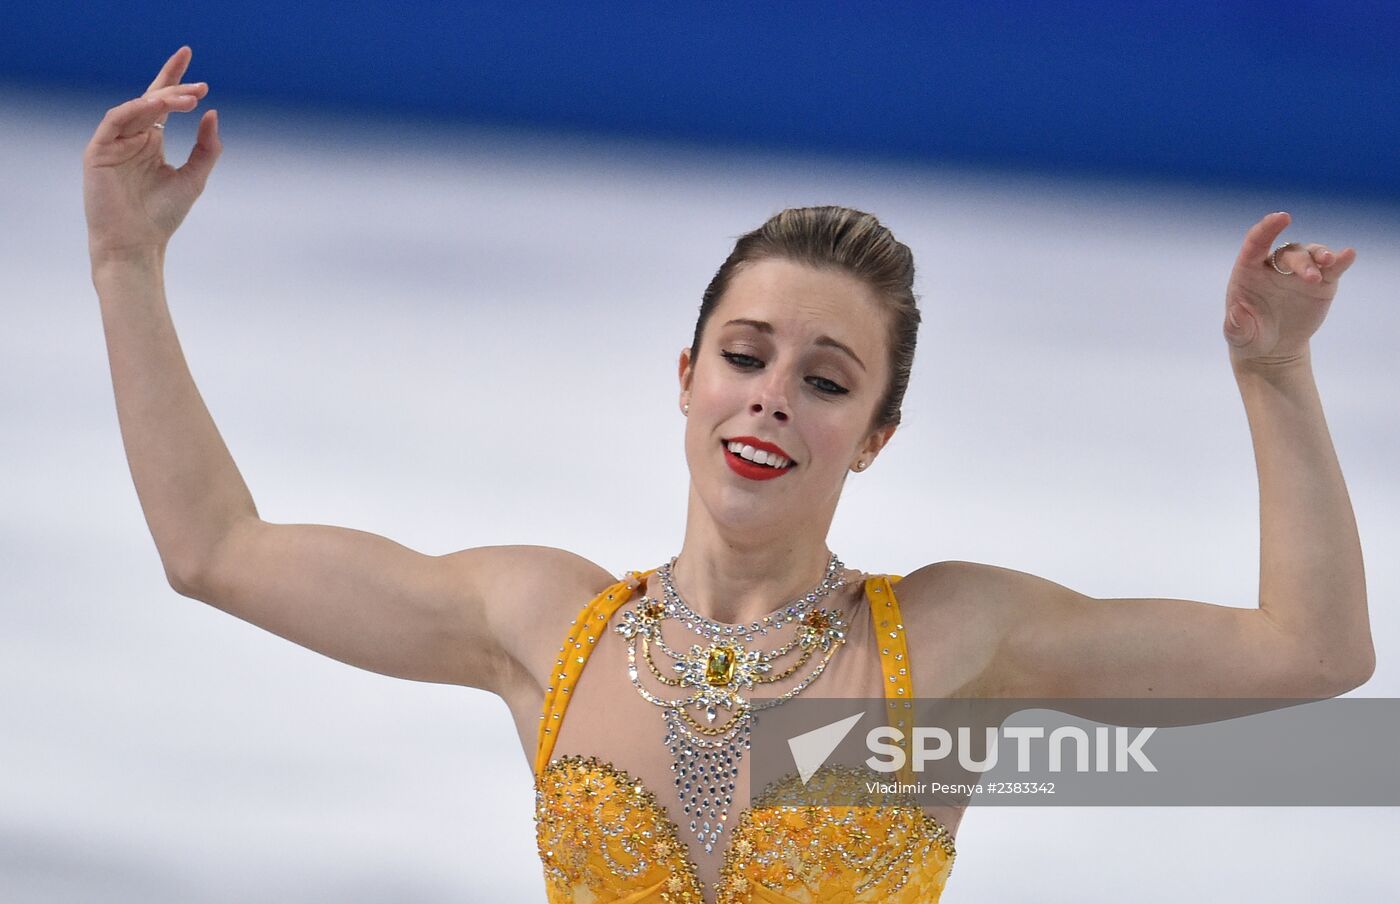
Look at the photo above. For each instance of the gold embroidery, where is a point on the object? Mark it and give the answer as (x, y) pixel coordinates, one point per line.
(590, 814)
(598, 827)
(854, 844)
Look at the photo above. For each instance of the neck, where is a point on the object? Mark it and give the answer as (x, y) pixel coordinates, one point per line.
(737, 578)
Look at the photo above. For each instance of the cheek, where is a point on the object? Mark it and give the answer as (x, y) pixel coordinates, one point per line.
(718, 398)
(829, 454)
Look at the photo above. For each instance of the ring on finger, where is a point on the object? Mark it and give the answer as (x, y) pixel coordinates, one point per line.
(1273, 258)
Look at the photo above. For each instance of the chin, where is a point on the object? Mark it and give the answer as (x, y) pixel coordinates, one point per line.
(738, 507)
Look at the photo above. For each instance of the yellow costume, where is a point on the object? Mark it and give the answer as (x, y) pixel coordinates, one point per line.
(605, 839)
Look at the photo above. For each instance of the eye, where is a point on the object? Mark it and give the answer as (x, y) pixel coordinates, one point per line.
(749, 362)
(835, 389)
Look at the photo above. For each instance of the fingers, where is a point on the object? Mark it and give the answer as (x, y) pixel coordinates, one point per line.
(206, 150)
(1259, 240)
(173, 70)
(1297, 261)
(1340, 262)
(171, 73)
(138, 115)
(1321, 255)
(197, 89)
(128, 119)
(178, 94)
(1314, 263)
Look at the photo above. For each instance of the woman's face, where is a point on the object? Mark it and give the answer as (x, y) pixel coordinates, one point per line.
(796, 358)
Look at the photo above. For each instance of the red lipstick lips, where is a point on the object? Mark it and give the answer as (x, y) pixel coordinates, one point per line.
(750, 469)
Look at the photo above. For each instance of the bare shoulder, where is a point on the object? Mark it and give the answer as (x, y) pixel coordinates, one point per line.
(993, 589)
(947, 589)
(526, 596)
(960, 613)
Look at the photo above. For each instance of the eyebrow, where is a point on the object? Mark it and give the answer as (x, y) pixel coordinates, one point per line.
(764, 326)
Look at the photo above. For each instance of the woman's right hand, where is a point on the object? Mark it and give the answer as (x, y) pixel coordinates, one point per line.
(135, 200)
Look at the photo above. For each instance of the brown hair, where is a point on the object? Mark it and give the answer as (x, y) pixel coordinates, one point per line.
(851, 241)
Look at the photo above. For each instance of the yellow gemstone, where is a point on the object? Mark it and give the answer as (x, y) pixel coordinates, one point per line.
(719, 666)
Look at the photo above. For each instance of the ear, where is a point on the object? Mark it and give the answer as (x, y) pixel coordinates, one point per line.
(877, 441)
(686, 372)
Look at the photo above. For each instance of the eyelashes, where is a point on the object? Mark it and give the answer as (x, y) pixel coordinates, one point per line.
(742, 362)
(749, 362)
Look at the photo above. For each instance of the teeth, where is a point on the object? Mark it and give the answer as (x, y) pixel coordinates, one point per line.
(771, 459)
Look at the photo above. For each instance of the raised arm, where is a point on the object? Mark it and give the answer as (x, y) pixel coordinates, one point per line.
(351, 595)
(1310, 635)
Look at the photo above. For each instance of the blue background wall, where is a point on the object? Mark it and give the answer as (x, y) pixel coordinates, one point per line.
(1251, 93)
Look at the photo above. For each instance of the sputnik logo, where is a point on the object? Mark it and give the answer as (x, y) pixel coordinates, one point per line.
(810, 749)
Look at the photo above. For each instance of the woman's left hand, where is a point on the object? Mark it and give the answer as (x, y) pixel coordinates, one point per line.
(1269, 317)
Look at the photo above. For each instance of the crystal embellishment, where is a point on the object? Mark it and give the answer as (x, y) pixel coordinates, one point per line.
(719, 665)
(713, 676)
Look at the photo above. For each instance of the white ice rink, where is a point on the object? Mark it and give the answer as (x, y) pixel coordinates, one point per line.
(459, 338)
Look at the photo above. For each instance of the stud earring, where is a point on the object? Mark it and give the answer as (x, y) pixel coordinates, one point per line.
(860, 465)
(685, 409)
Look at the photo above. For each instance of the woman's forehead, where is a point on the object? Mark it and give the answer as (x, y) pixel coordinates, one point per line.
(780, 277)
(788, 299)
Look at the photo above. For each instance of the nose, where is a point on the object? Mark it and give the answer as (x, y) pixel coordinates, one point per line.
(772, 396)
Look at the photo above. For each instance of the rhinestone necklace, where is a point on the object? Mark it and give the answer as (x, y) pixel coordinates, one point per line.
(705, 757)
(747, 633)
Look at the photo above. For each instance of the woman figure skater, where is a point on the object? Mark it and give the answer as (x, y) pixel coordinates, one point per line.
(793, 380)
